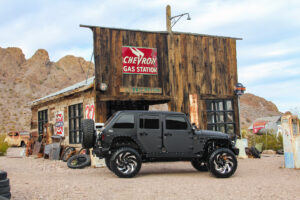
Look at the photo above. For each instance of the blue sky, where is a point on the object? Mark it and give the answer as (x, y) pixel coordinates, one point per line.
(268, 57)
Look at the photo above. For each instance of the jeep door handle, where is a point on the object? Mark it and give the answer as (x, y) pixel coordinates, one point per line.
(143, 134)
(168, 134)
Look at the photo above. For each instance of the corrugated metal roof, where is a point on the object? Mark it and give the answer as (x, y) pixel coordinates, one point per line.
(89, 81)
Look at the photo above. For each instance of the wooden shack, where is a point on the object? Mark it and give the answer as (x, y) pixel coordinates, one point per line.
(191, 73)
(196, 74)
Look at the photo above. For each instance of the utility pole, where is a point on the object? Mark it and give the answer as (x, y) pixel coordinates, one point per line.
(168, 18)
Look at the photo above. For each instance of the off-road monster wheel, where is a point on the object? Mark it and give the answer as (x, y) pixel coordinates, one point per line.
(125, 162)
(222, 163)
(88, 137)
(200, 165)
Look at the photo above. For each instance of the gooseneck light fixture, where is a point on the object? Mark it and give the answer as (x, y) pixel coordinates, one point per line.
(176, 18)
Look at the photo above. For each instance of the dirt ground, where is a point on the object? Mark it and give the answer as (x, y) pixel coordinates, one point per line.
(265, 178)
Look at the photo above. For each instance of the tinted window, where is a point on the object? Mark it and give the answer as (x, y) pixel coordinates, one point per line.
(148, 123)
(176, 122)
(125, 121)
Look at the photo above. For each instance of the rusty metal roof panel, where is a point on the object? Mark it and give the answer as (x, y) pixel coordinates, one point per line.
(84, 83)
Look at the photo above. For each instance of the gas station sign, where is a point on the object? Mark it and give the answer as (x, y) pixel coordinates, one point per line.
(137, 60)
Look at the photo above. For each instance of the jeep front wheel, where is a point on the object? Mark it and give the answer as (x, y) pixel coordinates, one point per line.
(200, 165)
(125, 162)
(222, 163)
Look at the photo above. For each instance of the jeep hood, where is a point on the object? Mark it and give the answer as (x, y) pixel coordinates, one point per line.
(212, 134)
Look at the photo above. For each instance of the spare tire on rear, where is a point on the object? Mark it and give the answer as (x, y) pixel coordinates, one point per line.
(88, 137)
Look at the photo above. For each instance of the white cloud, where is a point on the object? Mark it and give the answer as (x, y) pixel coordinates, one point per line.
(267, 70)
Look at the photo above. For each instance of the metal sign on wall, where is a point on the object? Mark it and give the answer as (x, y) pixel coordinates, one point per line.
(90, 112)
(59, 123)
(139, 60)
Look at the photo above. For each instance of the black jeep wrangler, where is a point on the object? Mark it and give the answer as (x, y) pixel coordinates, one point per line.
(130, 138)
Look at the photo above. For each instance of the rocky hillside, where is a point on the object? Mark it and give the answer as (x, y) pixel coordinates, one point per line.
(23, 80)
(253, 107)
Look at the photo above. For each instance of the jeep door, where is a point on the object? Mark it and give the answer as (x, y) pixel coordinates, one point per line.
(149, 132)
(178, 134)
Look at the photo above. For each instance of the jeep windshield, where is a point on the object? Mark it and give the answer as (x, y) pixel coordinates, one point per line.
(109, 119)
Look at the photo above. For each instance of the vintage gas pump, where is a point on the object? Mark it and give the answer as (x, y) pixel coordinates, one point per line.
(291, 140)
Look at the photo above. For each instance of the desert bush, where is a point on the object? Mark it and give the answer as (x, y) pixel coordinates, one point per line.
(269, 140)
(3, 145)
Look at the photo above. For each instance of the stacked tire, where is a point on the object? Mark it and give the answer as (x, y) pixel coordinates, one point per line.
(4, 186)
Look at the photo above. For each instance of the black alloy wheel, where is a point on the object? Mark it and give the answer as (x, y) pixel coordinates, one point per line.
(200, 165)
(125, 162)
(222, 163)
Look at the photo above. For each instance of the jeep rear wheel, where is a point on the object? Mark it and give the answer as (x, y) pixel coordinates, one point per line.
(88, 137)
(200, 165)
(107, 162)
(222, 163)
(125, 162)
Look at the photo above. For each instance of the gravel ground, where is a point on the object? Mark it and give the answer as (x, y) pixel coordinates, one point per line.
(265, 178)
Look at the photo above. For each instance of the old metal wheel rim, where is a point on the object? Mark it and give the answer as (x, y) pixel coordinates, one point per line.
(224, 163)
(126, 162)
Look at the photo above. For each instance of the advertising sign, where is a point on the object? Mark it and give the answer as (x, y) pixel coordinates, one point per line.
(258, 125)
(90, 112)
(137, 60)
(59, 123)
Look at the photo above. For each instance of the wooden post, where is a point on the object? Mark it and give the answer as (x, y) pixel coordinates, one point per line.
(168, 18)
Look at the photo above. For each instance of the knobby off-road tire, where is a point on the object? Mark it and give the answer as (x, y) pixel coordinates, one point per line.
(222, 163)
(79, 161)
(255, 152)
(3, 175)
(125, 162)
(88, 137)
(200, 165)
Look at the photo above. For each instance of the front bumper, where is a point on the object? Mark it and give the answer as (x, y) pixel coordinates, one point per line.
(101, 152)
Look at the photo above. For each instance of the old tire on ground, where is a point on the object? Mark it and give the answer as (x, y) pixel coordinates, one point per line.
(5, 196)
(84, 151)
(255, 152)
(4, 183)
(69, 151)
(222, 163)
(88, 137)
(200, 165)
(3, 175)
(4, 190)
(125, 162)
(79, 161)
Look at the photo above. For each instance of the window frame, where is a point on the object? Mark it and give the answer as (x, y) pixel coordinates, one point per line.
(42, 120)
(149, 116)
(73, 128)
(185, 119)
(216, 124)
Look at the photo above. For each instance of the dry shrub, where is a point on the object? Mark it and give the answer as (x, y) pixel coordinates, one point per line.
(3, 145)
